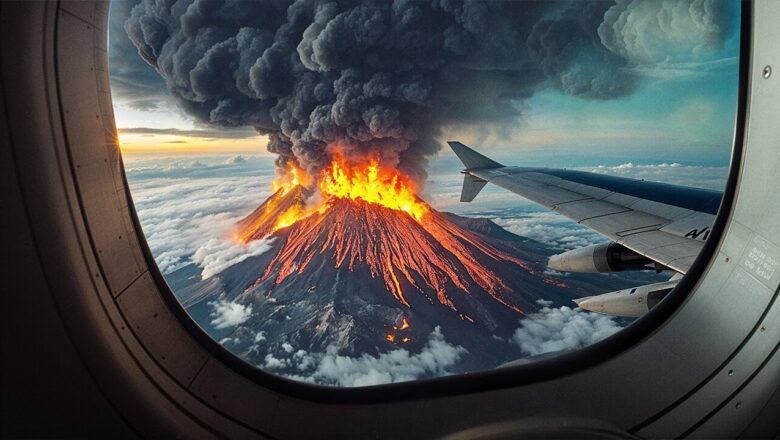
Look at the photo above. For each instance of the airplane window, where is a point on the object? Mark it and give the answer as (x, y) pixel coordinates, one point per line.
(361, 193)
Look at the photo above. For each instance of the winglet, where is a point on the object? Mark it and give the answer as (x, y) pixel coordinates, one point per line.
(471, 187)
(471, 159)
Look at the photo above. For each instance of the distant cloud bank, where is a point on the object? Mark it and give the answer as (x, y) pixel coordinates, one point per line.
(223, 133)
(675, 173)
(191, 206)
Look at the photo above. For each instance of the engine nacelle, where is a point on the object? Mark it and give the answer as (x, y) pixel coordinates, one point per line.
(604, 257)
(633, 302)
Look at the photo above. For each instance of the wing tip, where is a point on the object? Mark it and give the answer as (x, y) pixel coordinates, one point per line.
(470, 158)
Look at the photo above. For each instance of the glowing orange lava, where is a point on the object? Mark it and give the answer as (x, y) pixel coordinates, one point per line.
(291, 177)
(370, 182)
(391, 337)
(289, 217)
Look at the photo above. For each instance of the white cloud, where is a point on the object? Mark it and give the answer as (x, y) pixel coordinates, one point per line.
(555, 273)
(656, 31)
(273, 363)
(399, 365)
(216, 255)
(235, 160)
(260, 336)
(563, 328)
(303, 360)
(229, 314)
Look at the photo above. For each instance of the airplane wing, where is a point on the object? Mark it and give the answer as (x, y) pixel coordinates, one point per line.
(666, 224)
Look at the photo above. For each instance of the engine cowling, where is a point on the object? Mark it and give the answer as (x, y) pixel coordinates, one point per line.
(601, 258)
(633, 302)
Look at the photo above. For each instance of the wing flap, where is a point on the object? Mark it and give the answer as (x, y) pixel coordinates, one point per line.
(675, 252)
(588, 209)
(624, 223)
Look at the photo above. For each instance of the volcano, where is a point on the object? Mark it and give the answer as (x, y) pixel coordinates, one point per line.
(365, 278)
(434, 261)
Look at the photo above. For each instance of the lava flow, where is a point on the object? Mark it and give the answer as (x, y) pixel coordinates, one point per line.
(368, 220)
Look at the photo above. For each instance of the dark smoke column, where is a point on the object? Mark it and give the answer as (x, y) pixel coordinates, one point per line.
(385, 77)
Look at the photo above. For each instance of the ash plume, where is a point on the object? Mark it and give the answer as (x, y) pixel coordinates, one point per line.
(385, 77)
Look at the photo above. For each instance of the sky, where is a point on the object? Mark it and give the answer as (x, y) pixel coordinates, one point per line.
(681, 107)
(617, 91)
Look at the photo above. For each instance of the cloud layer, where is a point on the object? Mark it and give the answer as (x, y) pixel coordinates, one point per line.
(189, 207)
(436, 358)
(675, 173)
(564, 328)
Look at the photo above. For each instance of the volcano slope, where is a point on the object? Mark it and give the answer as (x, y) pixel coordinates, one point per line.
(357, 278)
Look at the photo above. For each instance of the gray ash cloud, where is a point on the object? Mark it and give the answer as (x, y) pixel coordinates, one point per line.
(385, 77)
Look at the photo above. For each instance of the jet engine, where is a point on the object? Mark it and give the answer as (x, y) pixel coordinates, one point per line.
(603, 257)
(633, 302)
